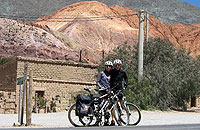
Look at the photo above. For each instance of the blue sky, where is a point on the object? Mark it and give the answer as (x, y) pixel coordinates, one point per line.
(193, 2)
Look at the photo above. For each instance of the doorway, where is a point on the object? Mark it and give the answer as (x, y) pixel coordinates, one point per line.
(193, 102)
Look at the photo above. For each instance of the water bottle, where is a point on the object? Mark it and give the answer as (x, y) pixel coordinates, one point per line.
(102, 103)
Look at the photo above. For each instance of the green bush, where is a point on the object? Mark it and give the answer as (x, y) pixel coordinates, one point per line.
(4, 60)
(170, 77)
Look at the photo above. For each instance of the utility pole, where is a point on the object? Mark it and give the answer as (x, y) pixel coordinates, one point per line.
(103, 53)
(24, 91)
(80, 56)
(141, 42)
(147, 27)
(29, 100)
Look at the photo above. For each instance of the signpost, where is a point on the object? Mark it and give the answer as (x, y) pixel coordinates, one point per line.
(24, 91)
(20, 80)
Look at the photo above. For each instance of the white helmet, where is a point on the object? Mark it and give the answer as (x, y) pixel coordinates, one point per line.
(117, 61)
(108, 63)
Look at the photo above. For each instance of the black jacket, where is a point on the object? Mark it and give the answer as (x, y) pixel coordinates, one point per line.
(117, 76)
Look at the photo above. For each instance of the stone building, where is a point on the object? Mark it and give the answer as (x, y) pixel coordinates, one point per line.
(56, 81)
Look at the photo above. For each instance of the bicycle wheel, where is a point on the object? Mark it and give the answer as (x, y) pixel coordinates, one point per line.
(134, 114)
(123, 114)
(116, 113)
(76, 120)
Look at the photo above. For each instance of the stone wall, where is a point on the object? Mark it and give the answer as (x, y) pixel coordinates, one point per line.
(198, 102)
(59, 80)
(8, 87)
(8, 76)
(7, 102)
(61, 94)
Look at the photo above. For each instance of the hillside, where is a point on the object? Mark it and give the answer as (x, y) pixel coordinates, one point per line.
(90, 27)
(21, 39)
(168, 11)
(90, 32)
(108, 33)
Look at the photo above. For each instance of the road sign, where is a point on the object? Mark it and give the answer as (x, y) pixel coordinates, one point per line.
(20, 80)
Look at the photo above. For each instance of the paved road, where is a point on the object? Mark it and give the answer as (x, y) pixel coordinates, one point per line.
(150, 127)
(60, 120)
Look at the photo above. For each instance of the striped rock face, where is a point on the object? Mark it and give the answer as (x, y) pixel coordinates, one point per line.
(21, 39)
(90, 27)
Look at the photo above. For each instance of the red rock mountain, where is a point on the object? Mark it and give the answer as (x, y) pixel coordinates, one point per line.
(97, 26)
(93, 25)
(187, 36)
(90, 27)
(20, 39)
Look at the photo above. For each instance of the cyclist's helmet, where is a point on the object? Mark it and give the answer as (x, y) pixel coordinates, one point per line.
(117, 62)
(108, 63)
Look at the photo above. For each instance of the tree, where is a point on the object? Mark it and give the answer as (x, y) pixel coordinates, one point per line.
(170, 75)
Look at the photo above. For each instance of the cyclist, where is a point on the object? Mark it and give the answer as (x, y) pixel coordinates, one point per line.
(103, 82)
(116, 79)
(103, 78)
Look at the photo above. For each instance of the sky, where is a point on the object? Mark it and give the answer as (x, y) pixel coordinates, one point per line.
(193, 2)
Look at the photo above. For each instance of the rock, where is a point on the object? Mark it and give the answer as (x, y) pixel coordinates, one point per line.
(89, 26)
(115, 27)
(21, 39)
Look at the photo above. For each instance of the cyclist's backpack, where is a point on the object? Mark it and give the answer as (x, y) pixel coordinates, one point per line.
(82, 107)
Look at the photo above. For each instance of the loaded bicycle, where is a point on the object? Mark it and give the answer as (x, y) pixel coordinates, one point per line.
(91, 109)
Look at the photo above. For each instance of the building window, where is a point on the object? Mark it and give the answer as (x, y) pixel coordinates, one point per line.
(193, 102)
(39, 93)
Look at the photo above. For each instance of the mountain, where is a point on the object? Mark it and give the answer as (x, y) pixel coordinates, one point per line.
(88, 27)
(168, 11)
(116, 27)
(92, 27)
(22, 39)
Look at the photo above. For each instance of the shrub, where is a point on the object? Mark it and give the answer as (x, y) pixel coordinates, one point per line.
(4, 60)
(170, 75)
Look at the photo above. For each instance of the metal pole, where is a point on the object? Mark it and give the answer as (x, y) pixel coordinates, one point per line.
(24, 90)
(103, 53)
(26, 103)
(80, 56)
(19, 108)
(36, 95)
(141, 42)
(147, 27)
(29, 108)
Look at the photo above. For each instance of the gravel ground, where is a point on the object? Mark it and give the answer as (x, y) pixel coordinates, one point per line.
(148, 118)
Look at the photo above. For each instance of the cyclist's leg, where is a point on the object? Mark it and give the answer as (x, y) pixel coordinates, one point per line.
(112, 118)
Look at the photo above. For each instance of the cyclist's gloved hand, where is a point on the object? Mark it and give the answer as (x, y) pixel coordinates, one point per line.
(125, 85)
(108, 90)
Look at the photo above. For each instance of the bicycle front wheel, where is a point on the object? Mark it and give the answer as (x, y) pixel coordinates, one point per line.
(123, 114)
(134, 114)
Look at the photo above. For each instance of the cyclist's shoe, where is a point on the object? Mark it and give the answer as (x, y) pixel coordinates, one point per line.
(112, 123)
(106, 123)
(119, 123)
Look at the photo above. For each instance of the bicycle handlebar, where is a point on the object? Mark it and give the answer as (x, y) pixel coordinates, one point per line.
(104, 89)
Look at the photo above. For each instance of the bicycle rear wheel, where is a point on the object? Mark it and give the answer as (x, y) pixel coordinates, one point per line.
(134, 114)
(78, 121)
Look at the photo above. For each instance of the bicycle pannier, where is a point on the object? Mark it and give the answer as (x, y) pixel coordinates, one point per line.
(82, 107)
